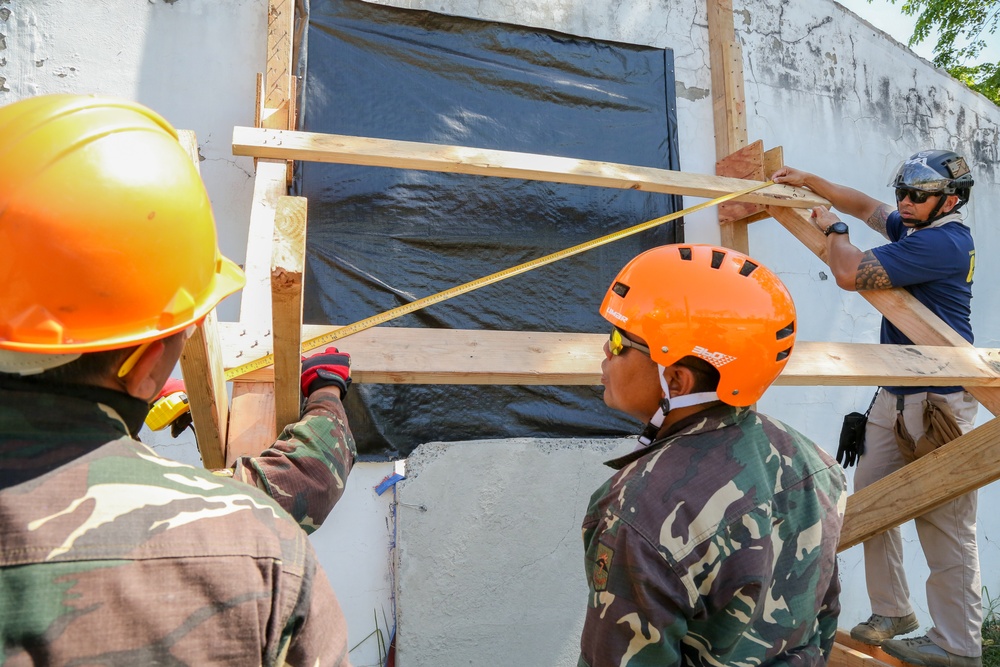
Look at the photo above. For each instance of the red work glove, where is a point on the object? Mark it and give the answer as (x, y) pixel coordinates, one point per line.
(171, 386)
(331, 368)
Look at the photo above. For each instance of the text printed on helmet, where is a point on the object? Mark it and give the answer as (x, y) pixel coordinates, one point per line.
(715, 358)
(615, 314)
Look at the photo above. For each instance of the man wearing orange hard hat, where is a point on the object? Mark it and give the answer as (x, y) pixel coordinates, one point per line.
(715, 540)
(111, 554)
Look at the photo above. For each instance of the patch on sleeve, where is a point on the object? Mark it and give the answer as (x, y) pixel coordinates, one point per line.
(602, 567)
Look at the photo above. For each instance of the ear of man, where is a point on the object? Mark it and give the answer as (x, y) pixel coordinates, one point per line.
(680, 379)
(950, 203)
(143, 381)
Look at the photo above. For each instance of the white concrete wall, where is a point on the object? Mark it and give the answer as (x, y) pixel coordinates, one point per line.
(843, 100)
(490, 564)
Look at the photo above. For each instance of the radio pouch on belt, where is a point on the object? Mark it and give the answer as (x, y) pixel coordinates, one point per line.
(940, 428)
(852, 435)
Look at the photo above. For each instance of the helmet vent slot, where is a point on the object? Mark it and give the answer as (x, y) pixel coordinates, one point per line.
(747, 268)
(685, 254)
(621, 289)
(717, 257)
(783, 355)
(786, 332)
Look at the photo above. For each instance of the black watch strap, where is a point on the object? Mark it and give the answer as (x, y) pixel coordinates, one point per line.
(837, 228)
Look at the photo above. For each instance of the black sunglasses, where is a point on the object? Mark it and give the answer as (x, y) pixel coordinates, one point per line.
(916, 196)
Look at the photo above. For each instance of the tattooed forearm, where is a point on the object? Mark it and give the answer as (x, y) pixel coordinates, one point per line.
(878, 218)
(871, 274)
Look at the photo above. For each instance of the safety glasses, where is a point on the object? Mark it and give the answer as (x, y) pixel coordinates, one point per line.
(916, 196)
(617, 342)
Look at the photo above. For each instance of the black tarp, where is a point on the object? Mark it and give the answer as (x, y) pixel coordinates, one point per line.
(381, 237)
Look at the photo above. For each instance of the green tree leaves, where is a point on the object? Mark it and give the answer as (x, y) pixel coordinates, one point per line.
(964, 28)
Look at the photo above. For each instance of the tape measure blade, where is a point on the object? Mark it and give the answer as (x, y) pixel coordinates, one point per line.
(503, 274)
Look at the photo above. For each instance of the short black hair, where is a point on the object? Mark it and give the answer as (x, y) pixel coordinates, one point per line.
(90, 368)
(706, 376)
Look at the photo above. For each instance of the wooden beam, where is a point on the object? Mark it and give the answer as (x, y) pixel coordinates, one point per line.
(252, 424)
(276, 117)
(850, 655)
(251, 415)
(278, 73)
(728, 102)
(963, 465)
(205, 385)
(269, 186)
(367, 151)
(910, 316)
(201, 366)
(395, 355)
(843, 638)
(287, 270)
(726, 64)
(251, 421)
(746, 163)
(270, 182)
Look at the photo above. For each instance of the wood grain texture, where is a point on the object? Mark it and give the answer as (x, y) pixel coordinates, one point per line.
(287, 270)
(462, 356)
(367, 151)
(201, 366)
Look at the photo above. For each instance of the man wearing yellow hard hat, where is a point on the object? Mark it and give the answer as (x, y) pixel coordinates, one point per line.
(110, 553)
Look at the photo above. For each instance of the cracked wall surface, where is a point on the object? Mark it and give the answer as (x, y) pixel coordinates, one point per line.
(843, 100)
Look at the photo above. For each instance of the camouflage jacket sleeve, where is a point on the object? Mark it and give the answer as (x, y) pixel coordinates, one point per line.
(306, 470)
(636, 616)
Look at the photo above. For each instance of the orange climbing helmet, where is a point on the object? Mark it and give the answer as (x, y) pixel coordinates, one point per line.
(709, 302)
(107, 237)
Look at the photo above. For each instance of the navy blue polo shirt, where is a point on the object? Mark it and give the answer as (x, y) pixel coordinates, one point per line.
(935, 265)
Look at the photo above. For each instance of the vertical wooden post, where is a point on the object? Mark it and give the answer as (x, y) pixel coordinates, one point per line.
(201, 366)
(728, 101)
(287, 270)
(252, 420)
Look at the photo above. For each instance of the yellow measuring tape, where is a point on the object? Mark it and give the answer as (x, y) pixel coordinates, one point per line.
(381, 318)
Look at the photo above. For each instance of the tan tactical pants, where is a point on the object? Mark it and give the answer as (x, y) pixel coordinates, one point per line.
(947, 534)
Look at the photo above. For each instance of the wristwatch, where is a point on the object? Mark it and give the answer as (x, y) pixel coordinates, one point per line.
(837, 228)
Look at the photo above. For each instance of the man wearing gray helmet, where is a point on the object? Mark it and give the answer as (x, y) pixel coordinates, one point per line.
(931, 254)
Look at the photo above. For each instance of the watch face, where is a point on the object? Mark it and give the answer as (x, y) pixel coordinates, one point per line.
(837, 228)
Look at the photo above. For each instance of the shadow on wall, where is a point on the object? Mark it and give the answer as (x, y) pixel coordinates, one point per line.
(199, 66)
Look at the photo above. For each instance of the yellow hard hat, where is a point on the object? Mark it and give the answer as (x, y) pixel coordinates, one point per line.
(107, 237)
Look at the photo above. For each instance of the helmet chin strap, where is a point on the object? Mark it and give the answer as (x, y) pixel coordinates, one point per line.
(666, 405)
(936, 214)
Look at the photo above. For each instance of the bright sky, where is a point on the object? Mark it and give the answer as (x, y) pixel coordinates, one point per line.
(890, 18)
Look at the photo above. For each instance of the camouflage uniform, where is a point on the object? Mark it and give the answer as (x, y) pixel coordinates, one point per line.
(112, 555)
(307, 468)
(716, 545)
